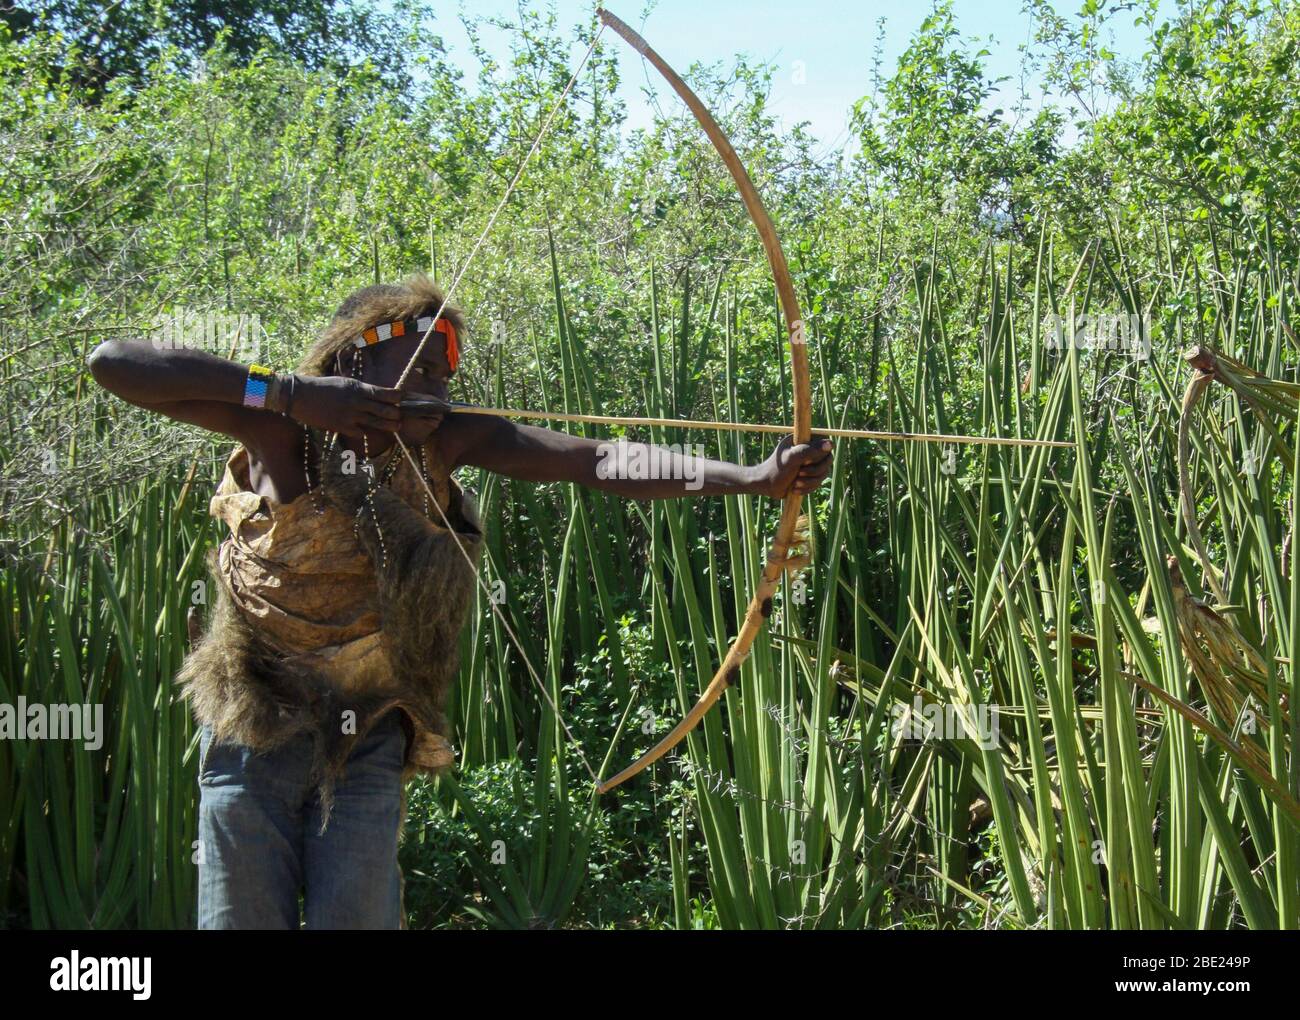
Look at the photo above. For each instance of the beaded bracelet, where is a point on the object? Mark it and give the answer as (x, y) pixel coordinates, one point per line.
(255, 387)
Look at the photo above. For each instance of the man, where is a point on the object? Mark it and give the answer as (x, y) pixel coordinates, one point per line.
(342, 588)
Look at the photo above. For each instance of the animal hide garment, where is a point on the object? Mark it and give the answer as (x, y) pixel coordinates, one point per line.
(331, 611)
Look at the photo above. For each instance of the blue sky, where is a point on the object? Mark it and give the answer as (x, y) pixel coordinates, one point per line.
(822, 50)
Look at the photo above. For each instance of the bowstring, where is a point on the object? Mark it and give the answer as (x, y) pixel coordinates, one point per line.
(532, 151)
(491, 601)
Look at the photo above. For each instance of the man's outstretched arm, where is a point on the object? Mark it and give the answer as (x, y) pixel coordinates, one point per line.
(633, 470)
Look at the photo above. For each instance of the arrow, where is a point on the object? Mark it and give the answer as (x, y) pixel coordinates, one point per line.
(429, 406)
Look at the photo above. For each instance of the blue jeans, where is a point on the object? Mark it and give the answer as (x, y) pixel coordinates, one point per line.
(260, 843)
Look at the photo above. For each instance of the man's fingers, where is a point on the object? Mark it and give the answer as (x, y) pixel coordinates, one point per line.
(385, 398)
(388, 412)
(814, 451)
(815, 465)
(814, 458)
(378, 424)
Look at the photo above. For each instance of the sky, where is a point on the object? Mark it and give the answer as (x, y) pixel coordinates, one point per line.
(821, 50)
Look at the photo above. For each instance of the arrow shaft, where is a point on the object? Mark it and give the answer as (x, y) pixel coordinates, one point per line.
(600, 419)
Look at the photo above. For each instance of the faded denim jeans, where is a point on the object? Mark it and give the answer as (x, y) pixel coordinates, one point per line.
(260, 844)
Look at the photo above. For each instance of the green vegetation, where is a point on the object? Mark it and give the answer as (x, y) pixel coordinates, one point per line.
(1144, 771)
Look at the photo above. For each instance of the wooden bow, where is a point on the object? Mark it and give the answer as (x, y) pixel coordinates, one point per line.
(788, 550)
(779, 556)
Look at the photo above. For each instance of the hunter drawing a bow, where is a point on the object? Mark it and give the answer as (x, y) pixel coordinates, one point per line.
(789, 547)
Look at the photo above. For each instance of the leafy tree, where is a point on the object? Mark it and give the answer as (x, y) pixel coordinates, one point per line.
(121, 38)
(931, 142)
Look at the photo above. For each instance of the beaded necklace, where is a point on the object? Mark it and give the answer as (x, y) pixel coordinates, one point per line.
(390, 471)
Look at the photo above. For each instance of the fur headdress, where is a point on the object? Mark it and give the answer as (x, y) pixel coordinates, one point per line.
(382, 302)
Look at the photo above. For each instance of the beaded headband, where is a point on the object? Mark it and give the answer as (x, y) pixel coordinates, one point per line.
(388, 330)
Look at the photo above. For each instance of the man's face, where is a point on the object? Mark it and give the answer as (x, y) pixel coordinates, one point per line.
(382, 364)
